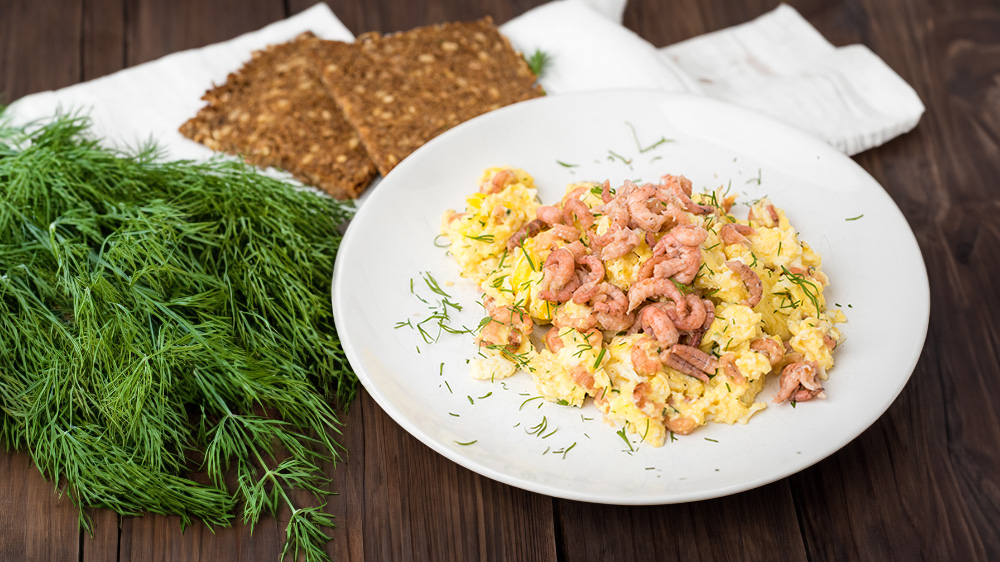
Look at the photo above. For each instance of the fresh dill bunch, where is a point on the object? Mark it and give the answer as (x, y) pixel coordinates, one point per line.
(163, 318)
(538, 61)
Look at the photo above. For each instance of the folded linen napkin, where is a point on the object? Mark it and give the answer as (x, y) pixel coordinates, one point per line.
(777, 64)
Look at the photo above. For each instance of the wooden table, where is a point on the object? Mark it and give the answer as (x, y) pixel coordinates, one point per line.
(923, 483)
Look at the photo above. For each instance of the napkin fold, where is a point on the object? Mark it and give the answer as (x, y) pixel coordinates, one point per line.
(777, 64)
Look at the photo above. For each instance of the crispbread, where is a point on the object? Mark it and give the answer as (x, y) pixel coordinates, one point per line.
(275, 112)
(401, 90)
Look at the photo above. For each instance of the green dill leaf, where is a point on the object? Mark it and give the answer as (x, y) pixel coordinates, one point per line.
(538, 61)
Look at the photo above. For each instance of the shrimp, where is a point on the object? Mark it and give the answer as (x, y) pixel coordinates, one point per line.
(500, 180)
(690, 361)
(507, 327)
(654, 319)
(728, 364)
(680, 188)
(655, 287)
(606, 195)
(564, 318)
(695, 317)
(798, 383)
(617, 242)
(681, 425)
(772, 214)
(549, 214)
(693, 338)
(770, 348)
(638, 207)
(577, 248)
(754, 287)
(640, 397)
(529, 230)
(645, 360)
(582, 377)
(551, 237)
(575, 210)
(734, 233)
(589, 284)
(689, 234)
(674, 245)
(610, 307)
(553, 341)
(560, 280)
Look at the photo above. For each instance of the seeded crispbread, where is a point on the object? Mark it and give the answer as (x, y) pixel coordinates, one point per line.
(401, 90)
(275, 111)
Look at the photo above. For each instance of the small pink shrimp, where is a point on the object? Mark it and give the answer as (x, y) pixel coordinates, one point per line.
(728, 364)
(655, 287)
(617, 242)
(500, 180)
(507, 328)
(581, 376)
(693, 338)
(645, 360)
(641, 216)
(589, 283)
(754, 287)
(798, 383)
(681, 425)
(575, 210)
(654, 319)
(734, 233)
(695, 317)
(770, 348)
(690, 361)
(606, 195)
(553, 341)
(549, 214)
(772, 214)
(829, 341)
(689, 234)
(529, 230)
(688, 255)
(577, 248)
(641, 399)
(610, 307)
(559, 281)
(564, 318)
(550, 238)
(680, 188)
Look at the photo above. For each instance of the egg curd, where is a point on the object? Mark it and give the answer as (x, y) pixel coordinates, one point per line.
(666, 311)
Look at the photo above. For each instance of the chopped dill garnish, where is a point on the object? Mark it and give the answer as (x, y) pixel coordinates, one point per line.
(566, 165)
(538, 61)
(467, 443)
(487, 395)
(756, 179)
(488, 238)
(453, 414)
(528, 400)
(568, 449)
(621, 433)
(612, 155)
(712, 440)
(470, 399)
(807, 286)
(638, 145)
(600, 357)
(855, 218)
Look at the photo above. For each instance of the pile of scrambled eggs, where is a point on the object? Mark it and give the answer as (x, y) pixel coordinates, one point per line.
(787, 331)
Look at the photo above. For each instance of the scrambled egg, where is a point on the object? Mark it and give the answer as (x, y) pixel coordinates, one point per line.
(790, 320)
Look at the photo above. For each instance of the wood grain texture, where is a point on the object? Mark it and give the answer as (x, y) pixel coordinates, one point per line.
(923, 483)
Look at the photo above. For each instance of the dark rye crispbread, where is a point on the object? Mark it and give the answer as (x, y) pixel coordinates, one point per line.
(276, 112)
(401, 90)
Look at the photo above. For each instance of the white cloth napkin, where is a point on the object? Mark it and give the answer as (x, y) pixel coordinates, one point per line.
(777, 64)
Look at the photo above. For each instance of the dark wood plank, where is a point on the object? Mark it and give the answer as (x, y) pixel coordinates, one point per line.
(155, 28)
(39, 46)
(37, 525)
(417, 505)
(103, 43)
(759, 524)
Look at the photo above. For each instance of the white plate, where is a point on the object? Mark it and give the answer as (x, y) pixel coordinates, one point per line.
(875, 267)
